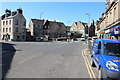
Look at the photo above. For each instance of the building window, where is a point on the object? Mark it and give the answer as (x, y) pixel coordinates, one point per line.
(6, 22)
(114, 18)
(6, 29)
(9, 22)
(16, 29)
(23, 30)
(110, 17)
(34, 26)
(60, 25)
(23, 36)
(24, 23)
(107, 21)
(3, 29)
(38, 25)
(9, 29)
(16, 22)
(45, 27)
(3, 22)
(17, 37)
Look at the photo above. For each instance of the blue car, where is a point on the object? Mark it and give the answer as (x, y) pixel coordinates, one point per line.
(106, 57)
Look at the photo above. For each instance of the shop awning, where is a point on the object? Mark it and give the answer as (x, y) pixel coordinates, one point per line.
(102, 32)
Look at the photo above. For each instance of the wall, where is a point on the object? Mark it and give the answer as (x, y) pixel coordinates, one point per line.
(21, 27)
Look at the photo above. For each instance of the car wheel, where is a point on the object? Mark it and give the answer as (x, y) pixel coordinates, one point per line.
(93, 64)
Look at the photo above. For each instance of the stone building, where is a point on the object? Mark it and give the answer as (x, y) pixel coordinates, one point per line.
(79, 28)
(40, 28)
(13, 26)
(109, 23)
(97, 28)
(0, 27)
(91, 31)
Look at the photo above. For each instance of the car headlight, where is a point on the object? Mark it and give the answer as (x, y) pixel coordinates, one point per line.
(112, 66)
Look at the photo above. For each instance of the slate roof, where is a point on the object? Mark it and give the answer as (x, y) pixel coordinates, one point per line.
(38, 21)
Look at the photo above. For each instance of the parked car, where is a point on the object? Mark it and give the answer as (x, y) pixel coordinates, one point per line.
(82, 38)
(75, 39)
(89, 38)
(37, 39)
(94, 38)
(106, 57)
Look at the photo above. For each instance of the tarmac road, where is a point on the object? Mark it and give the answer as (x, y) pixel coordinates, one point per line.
(46, 60)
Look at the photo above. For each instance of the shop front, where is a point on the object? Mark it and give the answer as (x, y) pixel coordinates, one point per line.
(102, 34)
(115, 32)
(107, 34)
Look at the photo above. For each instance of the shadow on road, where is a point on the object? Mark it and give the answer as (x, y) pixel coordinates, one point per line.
(6, 57)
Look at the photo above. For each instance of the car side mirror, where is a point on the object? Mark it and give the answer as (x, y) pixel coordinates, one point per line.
(96, 51)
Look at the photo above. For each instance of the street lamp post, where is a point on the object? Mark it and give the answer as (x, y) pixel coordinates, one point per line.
(88, 14)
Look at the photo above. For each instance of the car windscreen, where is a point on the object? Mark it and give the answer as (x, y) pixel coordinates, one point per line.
(112, 49)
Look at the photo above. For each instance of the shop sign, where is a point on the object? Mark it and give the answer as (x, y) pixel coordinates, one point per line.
(115, 30)
(107, 31)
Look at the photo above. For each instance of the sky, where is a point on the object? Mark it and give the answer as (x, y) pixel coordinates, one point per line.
(66, 12)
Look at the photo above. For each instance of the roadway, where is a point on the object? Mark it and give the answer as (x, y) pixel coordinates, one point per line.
(46, 60)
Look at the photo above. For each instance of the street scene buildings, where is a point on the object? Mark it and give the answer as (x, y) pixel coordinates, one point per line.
(108, 26)
(79, 28)
(49, 47)
(13, 26)
(42, 28)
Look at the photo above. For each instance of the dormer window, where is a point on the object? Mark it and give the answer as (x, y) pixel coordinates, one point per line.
(45, 27)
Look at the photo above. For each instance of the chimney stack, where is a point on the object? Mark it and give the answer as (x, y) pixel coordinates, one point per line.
(7, 12)
(19, 11)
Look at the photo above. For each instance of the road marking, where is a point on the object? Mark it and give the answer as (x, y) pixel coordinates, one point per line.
(26, 59)
(86, 65)
(89, 68)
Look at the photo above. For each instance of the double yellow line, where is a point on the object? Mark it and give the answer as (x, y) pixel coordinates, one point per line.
(89, 68)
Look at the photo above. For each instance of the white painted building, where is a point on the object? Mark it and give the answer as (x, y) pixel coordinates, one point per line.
(13, 26)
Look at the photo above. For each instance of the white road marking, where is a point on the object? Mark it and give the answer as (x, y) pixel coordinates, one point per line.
(26, 59)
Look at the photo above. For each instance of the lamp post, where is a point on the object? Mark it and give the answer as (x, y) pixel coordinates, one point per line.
(88, 14)
(41, 14)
